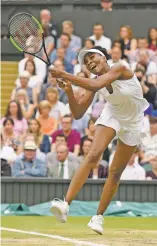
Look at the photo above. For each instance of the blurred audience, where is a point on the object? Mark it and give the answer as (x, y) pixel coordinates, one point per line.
(61, 164)
(42, 141)
(76, 42)
(28, 165)
(106, 5)
(116, 56)
(99, 38)
(133, 170)
(60, 57)
(152, 174)
(152, 38)
(72, 136)
(49, 43)
(48, 124)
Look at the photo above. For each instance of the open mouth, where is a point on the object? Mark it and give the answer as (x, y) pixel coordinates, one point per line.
(93, 67)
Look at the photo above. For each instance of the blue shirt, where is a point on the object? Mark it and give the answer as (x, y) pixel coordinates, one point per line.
(69, 55)
(34, 168)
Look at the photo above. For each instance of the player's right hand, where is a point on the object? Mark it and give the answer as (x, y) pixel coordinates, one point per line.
(64, 84)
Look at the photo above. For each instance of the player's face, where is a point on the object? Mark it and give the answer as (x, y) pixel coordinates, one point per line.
(95, 63)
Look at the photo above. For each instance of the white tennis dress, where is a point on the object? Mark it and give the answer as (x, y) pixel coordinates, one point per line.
(124, 110)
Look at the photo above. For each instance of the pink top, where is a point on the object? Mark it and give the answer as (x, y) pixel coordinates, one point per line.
(19, 126)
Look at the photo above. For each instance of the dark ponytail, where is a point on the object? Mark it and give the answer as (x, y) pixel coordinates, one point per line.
(103, 50)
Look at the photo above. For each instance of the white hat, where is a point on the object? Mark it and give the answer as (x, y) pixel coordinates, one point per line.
(30, 145)
(24, 74)
(83, 52)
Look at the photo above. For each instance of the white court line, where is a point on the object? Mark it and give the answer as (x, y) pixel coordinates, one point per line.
(52, 236)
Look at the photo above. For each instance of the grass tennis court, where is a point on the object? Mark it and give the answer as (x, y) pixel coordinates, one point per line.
(118, 231)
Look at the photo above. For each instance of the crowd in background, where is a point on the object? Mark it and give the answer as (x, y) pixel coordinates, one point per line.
(39, 135)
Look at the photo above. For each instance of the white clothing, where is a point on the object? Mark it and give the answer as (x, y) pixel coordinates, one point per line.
(149, 145)
(8, 153)
(151, 68)
(103, 42)
(40, 67)
(66, 172)
(133, 172)
(34, 81)
(124, 110)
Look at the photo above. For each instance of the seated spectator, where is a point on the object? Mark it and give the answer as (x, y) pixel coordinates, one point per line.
(60, 139)
(152, 174)
(76, 42)
(142, 44)
(34, 79)
(126, 35)
(149, 90)
(42, 141)
(8, 133)
(90, 130)
(62, 165)
(116, 56)
(49, 42)
(149, 143)
(23, 84)
(28, 165)
(52, 83)
(101, 170)
(40, 66)
(106, 5)
(48, 124)
(98, 107)
(60, 56)
(133, 170)
(72, 136)
(20, 123)
(26, 107)
(46, 19)
(89, 44)
(99, 38)
(151, 67)
(119, 43)
(152, 38)
(70, 55)
(5, 168)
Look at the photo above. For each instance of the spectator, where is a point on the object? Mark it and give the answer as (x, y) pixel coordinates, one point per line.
(42, 141)
(40, 66)
(28, 165)
(152, 174)
(76, 42)
(152, 38)
(8, 133)
(70, 55)
(23, 84)
(90, 131)
(106, 5)
(99, 38)
(46, 19)
(72, 136)
(34, 79)
(5, 168)
(142, 44)
(149, 90)
(126, 35)
(89, 43)
(20, 123)
(26, 107)
(133, 170)
(98, 106)
(119, 43)
(49, 43)
(151, 67)
(116, 55)
(61, 165)
(52, 83)
(149, 143)
(67, 66)
(48, 124)
(101, 170)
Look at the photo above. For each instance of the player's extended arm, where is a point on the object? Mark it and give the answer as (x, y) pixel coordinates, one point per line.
(104, 80)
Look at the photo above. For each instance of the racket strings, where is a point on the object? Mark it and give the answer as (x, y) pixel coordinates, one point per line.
(26, 32)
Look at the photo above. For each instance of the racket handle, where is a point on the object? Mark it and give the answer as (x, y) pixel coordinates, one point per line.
(51, 66)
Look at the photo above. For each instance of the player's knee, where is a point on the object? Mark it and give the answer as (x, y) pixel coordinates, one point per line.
(115, 174)
(93, 157)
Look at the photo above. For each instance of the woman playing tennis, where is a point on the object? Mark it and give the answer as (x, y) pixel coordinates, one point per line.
(122, 116)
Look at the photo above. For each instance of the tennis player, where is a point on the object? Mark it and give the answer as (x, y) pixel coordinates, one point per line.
(122, 116)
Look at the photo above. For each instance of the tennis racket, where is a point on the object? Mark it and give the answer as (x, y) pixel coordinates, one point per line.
(27, 35)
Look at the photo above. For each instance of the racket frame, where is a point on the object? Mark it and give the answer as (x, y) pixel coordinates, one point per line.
(43, 42)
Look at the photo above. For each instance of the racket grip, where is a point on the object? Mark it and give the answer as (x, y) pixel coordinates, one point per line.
(51, 66)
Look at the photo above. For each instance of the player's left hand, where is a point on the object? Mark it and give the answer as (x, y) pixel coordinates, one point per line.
(56, 72)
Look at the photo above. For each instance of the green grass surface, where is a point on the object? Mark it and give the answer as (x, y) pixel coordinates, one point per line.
(117, 232)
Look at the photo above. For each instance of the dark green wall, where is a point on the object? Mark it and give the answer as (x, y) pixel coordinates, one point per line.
(35, 190)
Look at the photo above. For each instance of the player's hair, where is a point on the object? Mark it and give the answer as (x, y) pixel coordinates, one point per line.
(66, 34)
(103, 50)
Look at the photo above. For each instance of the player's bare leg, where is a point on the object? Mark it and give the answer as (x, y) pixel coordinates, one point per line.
(122, 156)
